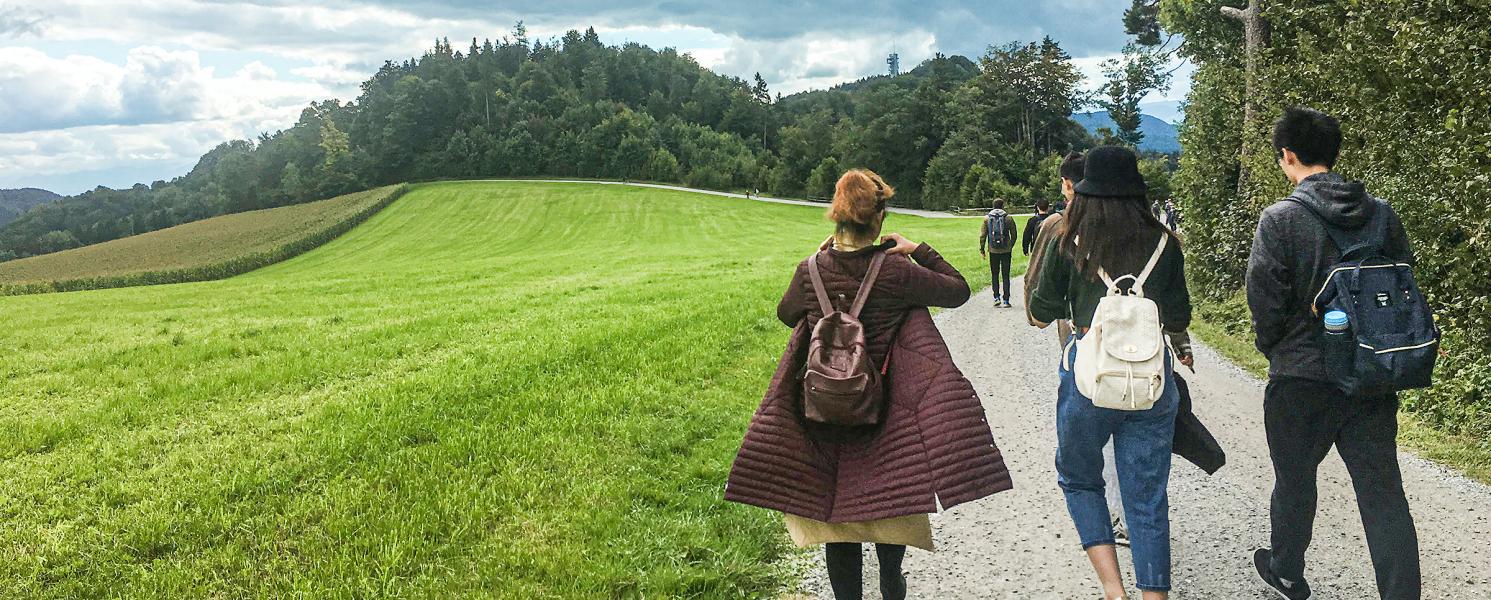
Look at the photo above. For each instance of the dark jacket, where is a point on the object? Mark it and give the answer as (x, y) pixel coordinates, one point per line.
(1009, 225)
(1032, 230)
(1065, 293)
(1291, 256)
(935, 443)
(1193, 441)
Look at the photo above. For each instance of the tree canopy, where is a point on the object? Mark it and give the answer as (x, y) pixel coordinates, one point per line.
(574, 107)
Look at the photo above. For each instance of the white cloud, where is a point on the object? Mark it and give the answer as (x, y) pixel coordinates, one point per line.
(19, 21)
(82, 114)
(158, 103)
(257, 71)
(820, 59)
(44, 153)
(153, 86)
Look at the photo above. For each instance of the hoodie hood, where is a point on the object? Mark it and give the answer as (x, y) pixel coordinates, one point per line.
(1342, 203)
(998, 212)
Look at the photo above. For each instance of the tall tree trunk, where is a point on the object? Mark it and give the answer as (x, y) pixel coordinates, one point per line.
(1255, 39)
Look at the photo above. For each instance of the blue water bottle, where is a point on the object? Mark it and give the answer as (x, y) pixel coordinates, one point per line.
(1340, 347)
(1336, 323)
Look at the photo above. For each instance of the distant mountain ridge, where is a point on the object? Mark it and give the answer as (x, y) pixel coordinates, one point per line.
(1159, 136)
(14, 203)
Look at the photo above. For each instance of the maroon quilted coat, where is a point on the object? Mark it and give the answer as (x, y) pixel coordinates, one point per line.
(934, 444)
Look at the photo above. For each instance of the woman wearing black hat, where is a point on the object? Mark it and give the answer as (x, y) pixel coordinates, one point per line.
(1109, 229)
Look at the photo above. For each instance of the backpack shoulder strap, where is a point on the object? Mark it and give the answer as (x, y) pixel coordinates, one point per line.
(1138, 286)
(818, 290)
(868, 284)
(1371, 237)
(1154, 259)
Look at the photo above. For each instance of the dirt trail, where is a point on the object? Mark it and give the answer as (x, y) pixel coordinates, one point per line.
(1021, 544)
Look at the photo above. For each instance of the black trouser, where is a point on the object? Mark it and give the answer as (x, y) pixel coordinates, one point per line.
(1303, 420)
(846, 571)
(999, 269)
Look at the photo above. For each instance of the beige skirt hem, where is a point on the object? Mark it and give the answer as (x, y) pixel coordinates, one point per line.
(910, 530)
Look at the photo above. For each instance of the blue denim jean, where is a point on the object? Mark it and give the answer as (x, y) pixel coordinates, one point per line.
(1141, 444)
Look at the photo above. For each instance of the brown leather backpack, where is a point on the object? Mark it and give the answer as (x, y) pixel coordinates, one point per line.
(840, 385)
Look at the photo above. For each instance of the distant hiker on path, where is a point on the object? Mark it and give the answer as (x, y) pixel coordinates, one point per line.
(1109, 230)
(848, 466)
(1171, 216)
(1306, 411)
(996, 241)
(1033, 225)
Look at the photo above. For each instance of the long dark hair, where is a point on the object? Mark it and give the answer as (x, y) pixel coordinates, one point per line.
(1117, 233)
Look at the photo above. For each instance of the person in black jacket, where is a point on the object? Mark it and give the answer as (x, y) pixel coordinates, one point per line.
(1033, 225)
(1304, 414)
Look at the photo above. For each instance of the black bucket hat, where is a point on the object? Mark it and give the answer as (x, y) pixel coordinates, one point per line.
(1112, 171)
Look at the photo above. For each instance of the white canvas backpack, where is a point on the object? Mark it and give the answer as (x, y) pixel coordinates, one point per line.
(1121, 361)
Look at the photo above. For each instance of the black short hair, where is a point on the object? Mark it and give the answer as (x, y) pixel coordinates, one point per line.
(1043, 204)
(1073, 166)
(1313, 136)
(998, 204)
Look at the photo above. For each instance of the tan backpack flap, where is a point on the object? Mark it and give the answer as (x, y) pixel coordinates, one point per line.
(1140, 339)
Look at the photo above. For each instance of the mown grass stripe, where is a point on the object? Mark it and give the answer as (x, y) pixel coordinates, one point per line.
(241, 243)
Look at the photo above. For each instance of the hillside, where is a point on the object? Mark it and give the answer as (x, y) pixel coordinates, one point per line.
(455, 399)
(208, 249)
(15, 202)
(1159, 136)
(574, 107)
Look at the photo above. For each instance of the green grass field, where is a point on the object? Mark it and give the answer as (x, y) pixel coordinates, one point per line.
(487, 390)
(208, 249)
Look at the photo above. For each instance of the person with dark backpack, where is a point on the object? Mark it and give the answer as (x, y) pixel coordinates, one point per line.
(866, 401)
(996, 241)
(1337, 312)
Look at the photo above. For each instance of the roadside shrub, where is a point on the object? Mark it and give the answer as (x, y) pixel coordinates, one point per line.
(1407, 79)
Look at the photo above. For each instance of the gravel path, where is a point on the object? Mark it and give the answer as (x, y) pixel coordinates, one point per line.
(1021, 544)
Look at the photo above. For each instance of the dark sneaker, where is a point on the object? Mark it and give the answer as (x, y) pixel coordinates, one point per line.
(1120, 533)
(1288, 590)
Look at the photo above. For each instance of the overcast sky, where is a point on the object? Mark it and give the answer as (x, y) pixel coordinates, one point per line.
(109, 92)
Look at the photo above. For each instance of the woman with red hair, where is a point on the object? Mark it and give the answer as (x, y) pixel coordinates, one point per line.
(843, 486)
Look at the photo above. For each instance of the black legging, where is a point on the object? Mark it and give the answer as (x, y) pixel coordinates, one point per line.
(847, 575)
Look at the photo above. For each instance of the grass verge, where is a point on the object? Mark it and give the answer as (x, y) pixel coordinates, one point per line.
(487, 390)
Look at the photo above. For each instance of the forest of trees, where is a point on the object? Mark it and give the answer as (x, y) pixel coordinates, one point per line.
(1408, 81)
(952, 132)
